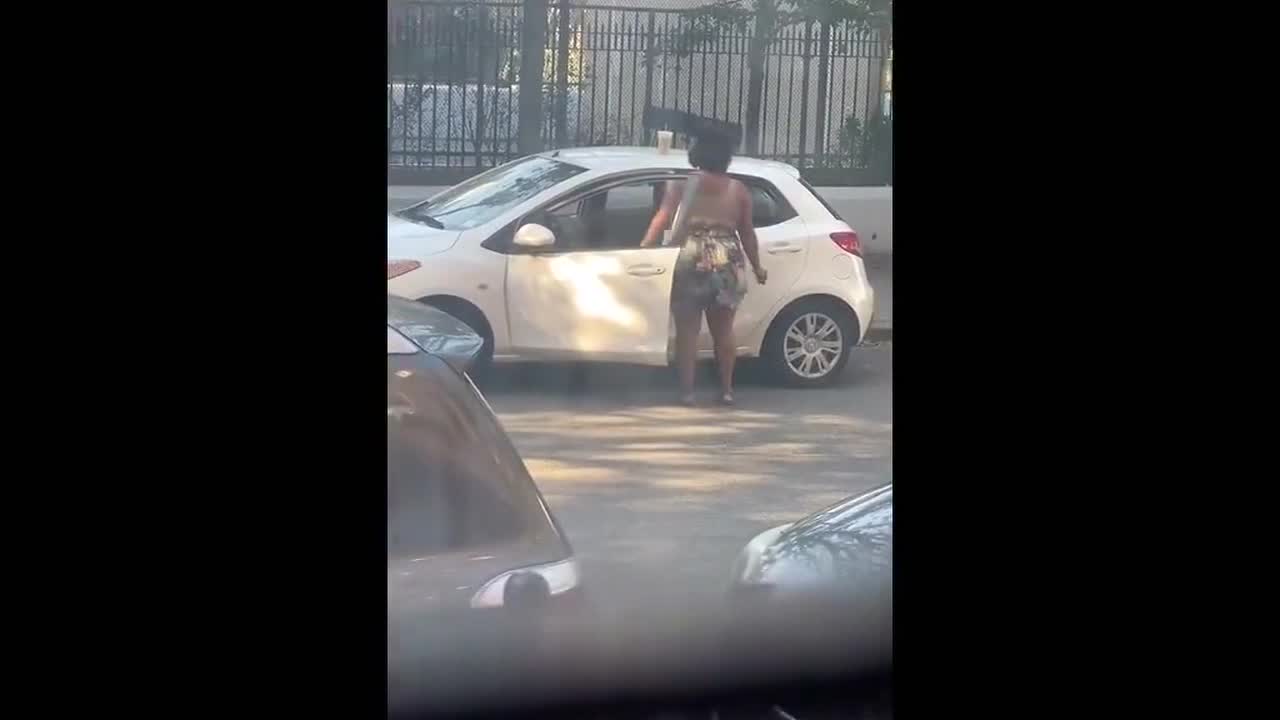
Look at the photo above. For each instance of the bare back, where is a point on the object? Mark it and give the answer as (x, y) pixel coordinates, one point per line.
(717, 202)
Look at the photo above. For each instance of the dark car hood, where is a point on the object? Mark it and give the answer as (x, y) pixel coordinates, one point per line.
(435, 331)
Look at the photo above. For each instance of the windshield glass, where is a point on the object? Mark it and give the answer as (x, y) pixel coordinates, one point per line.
(490, 194)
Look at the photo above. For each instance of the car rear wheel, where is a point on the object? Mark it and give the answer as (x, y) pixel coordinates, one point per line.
(809, 342)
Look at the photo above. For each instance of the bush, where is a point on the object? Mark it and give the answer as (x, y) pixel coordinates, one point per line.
(867, 145)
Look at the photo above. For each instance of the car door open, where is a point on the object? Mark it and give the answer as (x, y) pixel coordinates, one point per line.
(591, 304)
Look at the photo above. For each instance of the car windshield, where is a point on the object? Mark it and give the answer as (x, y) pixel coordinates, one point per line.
(490, 194)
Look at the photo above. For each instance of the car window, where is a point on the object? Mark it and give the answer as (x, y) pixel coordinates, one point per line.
(628, 198)
(453, 479)
(610, 219)
(768, 207)
(491, 193)
(618, 217)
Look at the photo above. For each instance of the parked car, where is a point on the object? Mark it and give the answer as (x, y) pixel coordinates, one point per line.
(821, 584)
(541, 257)
(847, 547)
(467, 528)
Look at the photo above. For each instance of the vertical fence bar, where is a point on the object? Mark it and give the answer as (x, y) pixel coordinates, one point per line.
(791, 80)
(763, 127)
(780, 44)
(675, 91)
(562, 74)
(833, 132)
(512, 109)
(425, 78)
(497, 85)
(533, 38)
(391, 88)
(623, 37)
(688, 100)
(649, 59)
(820, 112)
(743, 47)
(593, 42)
(846, 49)
(702, 82)
(477, 138)
(804, 93)
(451, 37)
(547, 84)
(635, 73)
(867, 103)
(715, 92)
(666, 39)
(608, 75)
(581, 82)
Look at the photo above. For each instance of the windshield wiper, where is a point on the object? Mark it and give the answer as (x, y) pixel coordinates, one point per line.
(422, 218)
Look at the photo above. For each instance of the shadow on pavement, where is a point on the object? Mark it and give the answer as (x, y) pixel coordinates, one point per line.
(657, 498)
(632, 380)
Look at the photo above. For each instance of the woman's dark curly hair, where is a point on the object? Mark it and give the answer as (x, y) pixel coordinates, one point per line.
(711, 152)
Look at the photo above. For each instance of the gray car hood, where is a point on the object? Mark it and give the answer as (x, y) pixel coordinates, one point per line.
(435, 331)
(849, 543)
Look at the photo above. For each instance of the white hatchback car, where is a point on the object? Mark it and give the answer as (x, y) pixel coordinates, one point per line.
(481, 251)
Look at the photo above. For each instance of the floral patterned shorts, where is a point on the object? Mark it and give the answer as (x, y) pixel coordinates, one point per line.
(710, 271)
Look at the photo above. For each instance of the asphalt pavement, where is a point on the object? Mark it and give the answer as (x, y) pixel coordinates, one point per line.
(658, 499)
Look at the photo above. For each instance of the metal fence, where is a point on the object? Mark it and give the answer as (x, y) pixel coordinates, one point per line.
(453, 85)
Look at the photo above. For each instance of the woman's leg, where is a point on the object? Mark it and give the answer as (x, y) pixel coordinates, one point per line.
(720, 321)
(688, 323)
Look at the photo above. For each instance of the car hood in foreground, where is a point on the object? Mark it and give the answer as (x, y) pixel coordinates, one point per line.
(435, 331)
(414, 241)
(849, 543)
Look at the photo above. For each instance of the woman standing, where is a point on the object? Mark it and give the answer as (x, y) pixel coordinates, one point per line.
(715, 233)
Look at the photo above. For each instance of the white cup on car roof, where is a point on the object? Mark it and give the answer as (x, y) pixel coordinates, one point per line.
(664, 140)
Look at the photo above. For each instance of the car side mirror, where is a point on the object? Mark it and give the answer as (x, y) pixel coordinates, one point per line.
(533, 235)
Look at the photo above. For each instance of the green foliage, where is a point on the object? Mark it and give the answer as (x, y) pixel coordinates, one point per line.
(577, 65)
(708, 21)
(866, 145)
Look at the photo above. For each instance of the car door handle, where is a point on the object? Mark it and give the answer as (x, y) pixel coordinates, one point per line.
(784, 249)
(645, 270)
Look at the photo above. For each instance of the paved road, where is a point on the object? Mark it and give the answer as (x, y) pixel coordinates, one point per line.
(658, 498)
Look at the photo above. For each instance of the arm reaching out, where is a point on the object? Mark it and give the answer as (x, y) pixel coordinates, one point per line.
(662, 218)
(747, 233)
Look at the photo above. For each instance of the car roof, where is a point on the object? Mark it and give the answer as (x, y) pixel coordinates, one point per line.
(623, 158)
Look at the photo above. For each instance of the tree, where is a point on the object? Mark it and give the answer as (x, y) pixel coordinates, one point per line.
(768, 18)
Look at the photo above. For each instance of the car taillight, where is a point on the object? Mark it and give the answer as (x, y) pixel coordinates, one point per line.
(396, 268)
(560, 578)
(848, 242)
